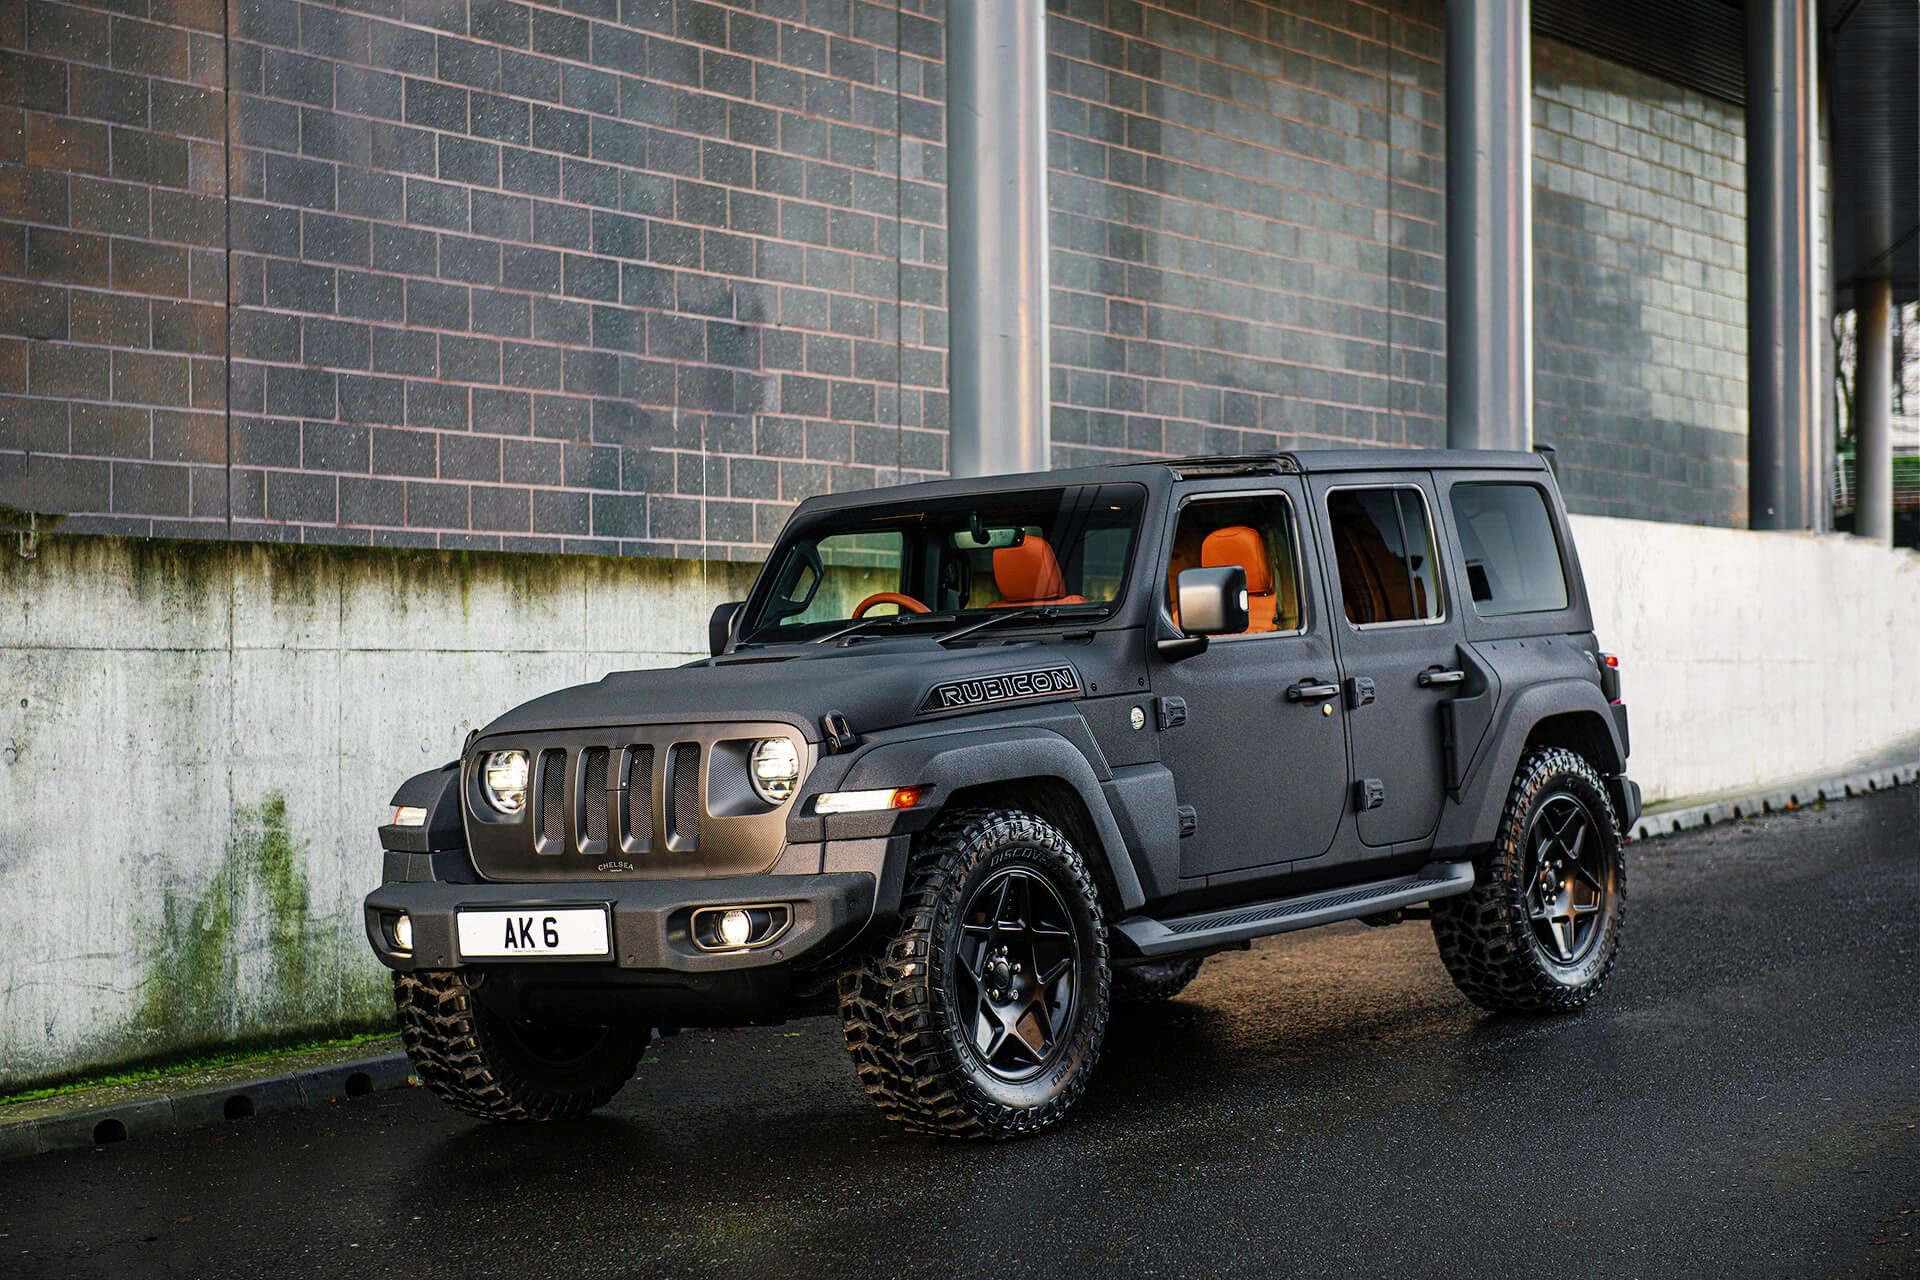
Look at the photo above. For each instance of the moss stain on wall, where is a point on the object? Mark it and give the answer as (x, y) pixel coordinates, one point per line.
(208, 959)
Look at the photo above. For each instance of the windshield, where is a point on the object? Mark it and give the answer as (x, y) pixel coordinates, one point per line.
(948, 559)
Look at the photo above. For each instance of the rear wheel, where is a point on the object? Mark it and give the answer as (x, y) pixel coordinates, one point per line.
(1540, 930)
(488, 1064)
(1156, 980)
(981, 1016)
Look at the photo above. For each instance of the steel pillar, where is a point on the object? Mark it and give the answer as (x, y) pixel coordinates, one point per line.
(1872, 411)
(1489, 224)
(1785, 489)
(997, 235)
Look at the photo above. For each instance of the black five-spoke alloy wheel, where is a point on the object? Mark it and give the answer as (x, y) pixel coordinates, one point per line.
(1568, 878)
(982, 1013)
(1016, 966)
(1540, 929)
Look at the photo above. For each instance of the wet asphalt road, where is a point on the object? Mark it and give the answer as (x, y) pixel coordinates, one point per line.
(1743, 1098)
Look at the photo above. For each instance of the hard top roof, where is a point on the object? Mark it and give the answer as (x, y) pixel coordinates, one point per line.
(1159, 471)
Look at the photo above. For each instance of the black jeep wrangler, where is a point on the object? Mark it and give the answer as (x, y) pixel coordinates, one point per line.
(978, 759)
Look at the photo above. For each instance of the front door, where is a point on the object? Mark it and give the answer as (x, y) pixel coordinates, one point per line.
(1396, 639)
(1260, 772)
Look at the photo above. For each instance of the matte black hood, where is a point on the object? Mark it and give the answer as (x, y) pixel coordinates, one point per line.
(876, 684)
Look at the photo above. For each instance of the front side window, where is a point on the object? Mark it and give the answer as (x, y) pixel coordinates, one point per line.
(1513, 558)
(1383, 545)
(1062, 549)
(1254, 533)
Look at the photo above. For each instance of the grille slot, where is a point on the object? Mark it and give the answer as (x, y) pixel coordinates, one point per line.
(683, 808)
(593, 798)
(553, 801)
(636, 801)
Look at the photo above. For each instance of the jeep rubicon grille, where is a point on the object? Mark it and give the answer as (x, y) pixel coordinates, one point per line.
(656, 800)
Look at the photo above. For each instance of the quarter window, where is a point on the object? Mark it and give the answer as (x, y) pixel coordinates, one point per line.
(1383, 545)
(1513, 559)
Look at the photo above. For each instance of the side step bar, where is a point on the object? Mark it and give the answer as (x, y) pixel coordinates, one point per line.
(1151, 937)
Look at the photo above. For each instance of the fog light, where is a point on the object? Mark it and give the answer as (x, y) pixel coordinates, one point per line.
(740, 928)
(403, 933)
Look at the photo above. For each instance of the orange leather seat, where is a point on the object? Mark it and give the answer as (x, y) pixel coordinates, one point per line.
(1028, 573)
(1238, 544)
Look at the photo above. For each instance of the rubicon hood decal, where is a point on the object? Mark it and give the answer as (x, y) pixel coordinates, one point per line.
(1012, 686)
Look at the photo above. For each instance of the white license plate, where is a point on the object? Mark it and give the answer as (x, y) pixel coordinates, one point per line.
(534, 931)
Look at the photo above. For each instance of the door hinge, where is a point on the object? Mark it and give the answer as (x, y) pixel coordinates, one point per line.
(1189, 820)
(1171, 712)
(1369, 793)
(1359, 690)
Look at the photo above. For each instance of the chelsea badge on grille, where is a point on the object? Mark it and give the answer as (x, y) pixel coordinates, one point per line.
(1014, 686)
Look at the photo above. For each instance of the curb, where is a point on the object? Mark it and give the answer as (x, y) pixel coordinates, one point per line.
(199, 1108)
(1783, 798)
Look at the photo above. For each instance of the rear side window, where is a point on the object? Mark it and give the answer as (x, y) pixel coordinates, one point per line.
(1383, 545)
(1513, 558)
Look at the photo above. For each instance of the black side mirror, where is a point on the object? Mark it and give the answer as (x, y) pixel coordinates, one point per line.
(720, 626)
(1213, 602)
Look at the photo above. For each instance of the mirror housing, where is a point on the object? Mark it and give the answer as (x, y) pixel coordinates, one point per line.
(720, 626)
(1213, 602)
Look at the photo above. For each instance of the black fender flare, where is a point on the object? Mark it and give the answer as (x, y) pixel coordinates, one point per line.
(438, 792)
(1472, 820)
(948, 762)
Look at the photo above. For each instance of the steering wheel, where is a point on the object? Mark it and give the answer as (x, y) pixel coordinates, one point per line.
(907, 603)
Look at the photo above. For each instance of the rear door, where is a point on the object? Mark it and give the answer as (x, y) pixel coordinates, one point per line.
(1396, 636)
(1259, 771)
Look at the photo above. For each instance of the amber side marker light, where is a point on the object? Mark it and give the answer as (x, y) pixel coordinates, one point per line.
(867, 801)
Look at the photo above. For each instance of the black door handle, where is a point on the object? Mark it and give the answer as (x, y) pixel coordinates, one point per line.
(1310, 691)
(1435, 676)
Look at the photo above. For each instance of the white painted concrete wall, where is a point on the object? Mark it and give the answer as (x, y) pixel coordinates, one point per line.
(1753, 657)
(197, 740)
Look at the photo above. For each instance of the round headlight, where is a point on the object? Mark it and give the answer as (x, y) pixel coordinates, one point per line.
(503, 779)
(775, 769)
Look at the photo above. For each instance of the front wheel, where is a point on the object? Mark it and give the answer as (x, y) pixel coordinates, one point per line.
(982, 1013)
(1540, 930)
(487, 1064)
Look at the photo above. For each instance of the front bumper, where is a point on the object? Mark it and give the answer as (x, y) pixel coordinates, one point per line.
(651, 920)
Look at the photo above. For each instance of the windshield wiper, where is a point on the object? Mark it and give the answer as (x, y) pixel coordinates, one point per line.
(1031, 613)
(860, 625)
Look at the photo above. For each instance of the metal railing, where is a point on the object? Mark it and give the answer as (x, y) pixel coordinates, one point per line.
(1906, 480)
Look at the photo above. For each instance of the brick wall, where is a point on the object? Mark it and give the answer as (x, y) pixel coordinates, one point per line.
(112, 271)
(1247, 244)
(636, 275)
(618, 275)
(1640, 291)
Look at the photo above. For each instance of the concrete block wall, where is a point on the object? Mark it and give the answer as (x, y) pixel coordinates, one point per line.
(635, 275)
(1640, 291)
(596, 276)
(1247, 234)
(112, 260)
